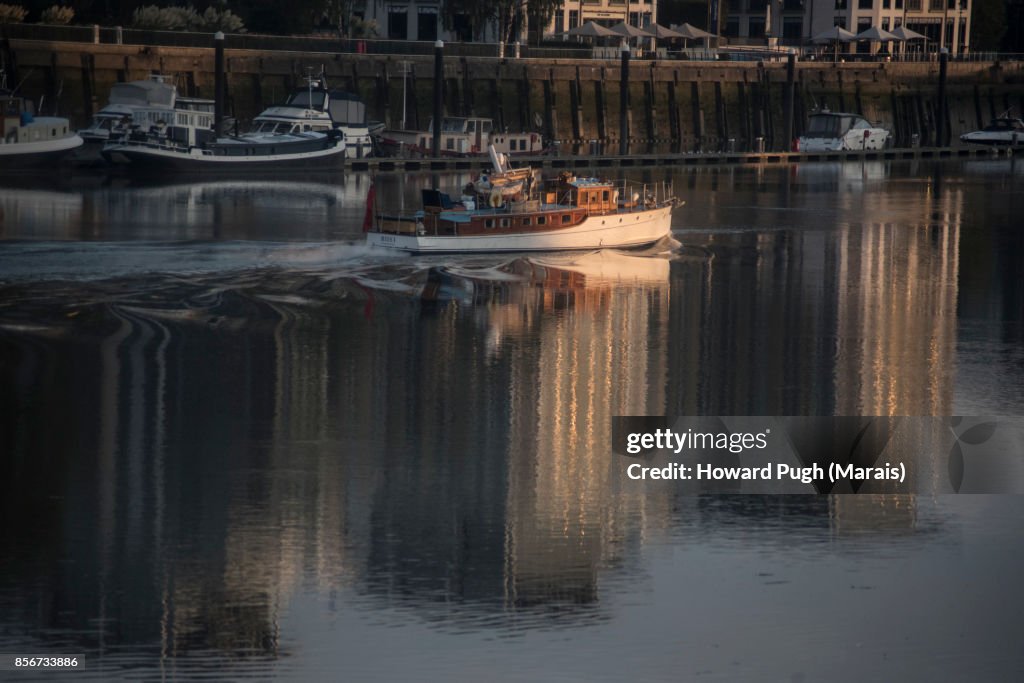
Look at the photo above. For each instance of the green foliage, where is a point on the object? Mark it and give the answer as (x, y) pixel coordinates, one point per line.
(363, 28)
(12, 14)
(988, 24)
(221, 20)
(164, 18)
(187, 19)
(57, 14)
(540, 13)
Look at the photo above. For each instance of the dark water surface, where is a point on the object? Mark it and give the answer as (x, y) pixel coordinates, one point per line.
(238, 444)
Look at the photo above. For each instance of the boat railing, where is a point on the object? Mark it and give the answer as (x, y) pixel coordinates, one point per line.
(629, 196)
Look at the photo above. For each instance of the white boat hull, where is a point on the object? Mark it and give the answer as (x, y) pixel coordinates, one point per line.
(994, 138)
(614, 230)
(19, 155)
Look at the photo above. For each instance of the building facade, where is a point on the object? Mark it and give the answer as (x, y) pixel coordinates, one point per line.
(608, 13)
(793, 22)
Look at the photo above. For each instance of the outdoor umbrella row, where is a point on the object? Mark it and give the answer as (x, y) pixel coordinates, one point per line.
(840, 35)
(592, 29)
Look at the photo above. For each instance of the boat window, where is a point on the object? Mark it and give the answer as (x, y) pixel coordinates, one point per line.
(861, 124)
(527, 221)
(302, 99)
(604, 196)
(487, 126)
(489, 223)
(823, 127)
(566, 218)
(504, 222)
(541, 220)
(450, 144)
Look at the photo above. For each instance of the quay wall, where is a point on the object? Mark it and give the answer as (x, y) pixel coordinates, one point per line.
(676, 106)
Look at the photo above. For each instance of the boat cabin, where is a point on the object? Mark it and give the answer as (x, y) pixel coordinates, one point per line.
(834, 125)
(1005, 125)
(562, 203)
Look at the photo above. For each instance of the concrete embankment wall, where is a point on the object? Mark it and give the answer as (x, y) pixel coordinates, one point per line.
(674, 105)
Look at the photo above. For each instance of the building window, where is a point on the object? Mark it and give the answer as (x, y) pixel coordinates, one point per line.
(885, 23)
(398, 23)
(755, 27)
(574, 18)
(886, 4)
(840, 22)
(792, 5)
(426, 23)
(792, 29)
(757, 6)
(840, 4)
(732, 27)
(865, 4)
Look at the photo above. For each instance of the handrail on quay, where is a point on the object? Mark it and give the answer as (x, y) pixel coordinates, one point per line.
(641, 161)
(331, 43)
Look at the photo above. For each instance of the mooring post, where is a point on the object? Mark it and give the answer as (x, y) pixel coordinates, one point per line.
(940, 125)
(438, 94)
(624, 102)
(218, 81)
(790, 100)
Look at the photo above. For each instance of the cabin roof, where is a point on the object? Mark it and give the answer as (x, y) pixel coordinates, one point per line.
(589, 183)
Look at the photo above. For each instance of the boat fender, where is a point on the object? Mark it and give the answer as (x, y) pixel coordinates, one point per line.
(496, 199)
(615, 198)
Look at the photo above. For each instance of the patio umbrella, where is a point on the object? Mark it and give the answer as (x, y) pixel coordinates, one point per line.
(906, 35)
(688, 32)
(875, 33)
(834, 35)
(691, 32)
(591, 30)
(628, 30)
(659, 31)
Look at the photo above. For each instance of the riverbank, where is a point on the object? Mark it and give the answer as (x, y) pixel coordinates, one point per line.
(687, 106)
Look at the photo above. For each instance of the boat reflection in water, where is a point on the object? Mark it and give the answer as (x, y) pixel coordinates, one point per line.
(297, 208)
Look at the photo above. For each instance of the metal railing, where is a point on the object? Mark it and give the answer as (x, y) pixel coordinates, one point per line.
(737, 50)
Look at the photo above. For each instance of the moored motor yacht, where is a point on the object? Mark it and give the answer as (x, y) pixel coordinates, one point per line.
(1004, 130)
(838, 131)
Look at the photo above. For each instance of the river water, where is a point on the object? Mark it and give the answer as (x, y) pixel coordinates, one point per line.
(238, 444)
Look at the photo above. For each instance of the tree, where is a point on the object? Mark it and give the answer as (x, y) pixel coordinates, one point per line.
(540, 13)
(988, 24)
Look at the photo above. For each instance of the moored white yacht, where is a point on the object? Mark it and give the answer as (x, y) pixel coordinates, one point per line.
(1003, 131)
(838, 131)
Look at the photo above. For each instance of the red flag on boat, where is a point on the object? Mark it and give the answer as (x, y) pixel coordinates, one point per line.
(371, 198)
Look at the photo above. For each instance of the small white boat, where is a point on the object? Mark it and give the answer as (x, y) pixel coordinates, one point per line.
(838, 131)
(1002, 131)
(564, 213)
(28, 141)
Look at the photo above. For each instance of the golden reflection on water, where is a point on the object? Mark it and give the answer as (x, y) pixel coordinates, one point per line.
(450, 447)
